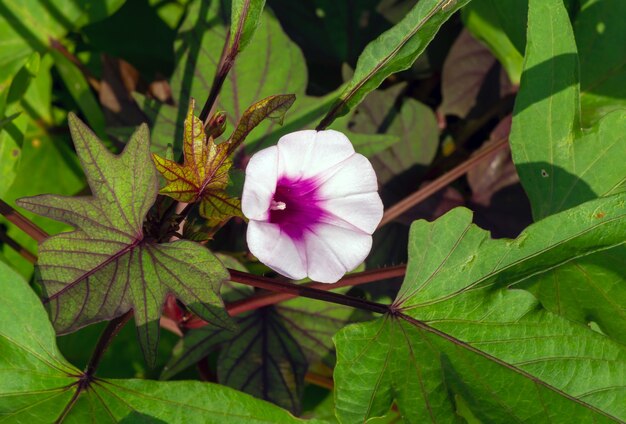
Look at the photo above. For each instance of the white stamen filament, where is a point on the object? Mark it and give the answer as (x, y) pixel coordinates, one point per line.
(278, 206)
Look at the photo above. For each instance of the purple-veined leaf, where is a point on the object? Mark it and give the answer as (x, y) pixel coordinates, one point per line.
(39, 385)
(108, 265)
(263, 359)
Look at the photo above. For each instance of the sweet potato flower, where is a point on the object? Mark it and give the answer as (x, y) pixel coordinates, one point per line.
(313, 205)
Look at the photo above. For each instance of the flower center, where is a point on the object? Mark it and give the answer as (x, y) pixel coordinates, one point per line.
(296, 206)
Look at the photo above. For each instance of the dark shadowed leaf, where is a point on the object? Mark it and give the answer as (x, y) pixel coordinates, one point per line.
(244, 20)
(498, 199)
(472, 78)
(263, 359)
(561, 165)
(395, 50)
(462, 335)
(108, 266)
(37, 383)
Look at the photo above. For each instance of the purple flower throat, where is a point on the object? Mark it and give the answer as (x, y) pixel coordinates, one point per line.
(296, 206)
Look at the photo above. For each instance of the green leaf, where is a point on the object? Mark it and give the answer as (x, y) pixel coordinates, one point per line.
(500, 24)
(37, 383)
(599, 32)
(108, 265)
(26, 26)
(461, 332)
(244, 20)
(394, 51)
(272, 64)
(560, 166)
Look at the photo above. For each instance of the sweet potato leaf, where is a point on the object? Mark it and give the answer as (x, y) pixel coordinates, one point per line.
(203, 177)
(394, 51)
(461, 333)
(561, 165)
(108, 265)
(37, 384)
(264, 360)
(269, 355)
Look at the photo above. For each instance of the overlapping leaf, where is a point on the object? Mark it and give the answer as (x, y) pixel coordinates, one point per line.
(203, 177)
(109, 265)
(461, 336)
(394, 51)
(37, 384)
(560, 166)
(269, 355)
(271, 64)
(599, 31)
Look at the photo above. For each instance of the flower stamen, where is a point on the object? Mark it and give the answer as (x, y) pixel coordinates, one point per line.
(277, 206)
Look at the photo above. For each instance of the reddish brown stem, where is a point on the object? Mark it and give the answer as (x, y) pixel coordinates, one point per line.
(25, 253)
(265, 299)
(441, 182)
(22, 222)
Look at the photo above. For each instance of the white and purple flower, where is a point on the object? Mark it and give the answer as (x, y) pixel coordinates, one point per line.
(313, 205)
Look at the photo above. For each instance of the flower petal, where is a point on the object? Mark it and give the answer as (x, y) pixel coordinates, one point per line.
(332, 251)
(304, 154)
(260, 184)
(363, 211)
(276, 249)
(352, 176)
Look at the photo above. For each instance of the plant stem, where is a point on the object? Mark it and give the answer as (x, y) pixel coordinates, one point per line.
(106, 337)
(227, 60)
(25, 253)
(441, 182)
(266, 299)
(304, 291)
(22, 222)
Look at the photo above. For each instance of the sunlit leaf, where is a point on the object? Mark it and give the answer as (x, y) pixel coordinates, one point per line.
(37, 384)
(245, 17)
(394, 51)
(561, 165)
(109, 264)
(462, 332)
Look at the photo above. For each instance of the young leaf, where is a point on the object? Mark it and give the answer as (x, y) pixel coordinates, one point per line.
(459, 333)
(37, 384)
(394, 51)
(204, 175)
(244, 19)
(108, 266)
(273, 108)
(560, 165)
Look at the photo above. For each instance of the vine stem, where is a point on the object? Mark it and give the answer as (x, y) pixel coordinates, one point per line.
(422, 194)
(227, 60)
(111, 330)
(22, 222)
